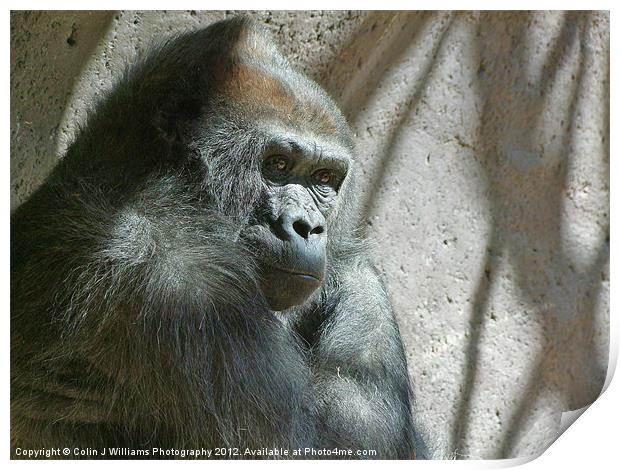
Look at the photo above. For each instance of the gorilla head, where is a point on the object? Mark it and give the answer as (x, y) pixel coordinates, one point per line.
(283, 132)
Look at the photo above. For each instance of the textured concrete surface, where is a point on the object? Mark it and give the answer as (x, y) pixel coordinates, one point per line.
(484, 144)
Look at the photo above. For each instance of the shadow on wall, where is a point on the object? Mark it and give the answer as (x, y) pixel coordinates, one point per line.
(528, 146)
(49, 51)
(568, 324)
(526, 158)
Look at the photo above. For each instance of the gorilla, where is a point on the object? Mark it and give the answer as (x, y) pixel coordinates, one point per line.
(191, 274)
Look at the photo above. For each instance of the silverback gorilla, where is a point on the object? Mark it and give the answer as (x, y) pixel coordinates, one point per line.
(189, 276)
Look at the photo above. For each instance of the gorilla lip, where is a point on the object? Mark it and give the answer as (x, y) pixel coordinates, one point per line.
(308, 276)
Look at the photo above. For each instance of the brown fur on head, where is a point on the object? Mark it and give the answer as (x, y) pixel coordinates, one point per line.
(253, 73)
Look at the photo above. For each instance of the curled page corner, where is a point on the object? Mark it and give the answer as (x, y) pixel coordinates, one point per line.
(568, 418)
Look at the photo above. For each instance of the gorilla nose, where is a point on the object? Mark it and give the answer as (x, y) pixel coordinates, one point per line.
(293, 226)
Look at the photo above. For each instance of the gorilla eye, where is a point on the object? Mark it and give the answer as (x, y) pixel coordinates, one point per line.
(278, 165)
(323, 176)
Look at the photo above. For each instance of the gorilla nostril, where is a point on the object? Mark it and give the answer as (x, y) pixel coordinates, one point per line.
(302, 228)
(317, 230)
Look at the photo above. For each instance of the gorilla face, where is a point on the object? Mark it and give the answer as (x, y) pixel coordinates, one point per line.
(301, 178)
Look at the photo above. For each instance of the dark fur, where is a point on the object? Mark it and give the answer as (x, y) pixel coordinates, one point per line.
(136, 316)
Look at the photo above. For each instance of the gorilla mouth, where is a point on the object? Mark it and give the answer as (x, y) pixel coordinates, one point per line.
(284, 288)
(303, 275)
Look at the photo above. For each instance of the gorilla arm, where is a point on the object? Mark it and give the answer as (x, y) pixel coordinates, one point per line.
(360, 372)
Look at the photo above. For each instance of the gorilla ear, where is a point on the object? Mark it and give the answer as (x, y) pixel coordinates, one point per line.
(175, 114)
(166, 127)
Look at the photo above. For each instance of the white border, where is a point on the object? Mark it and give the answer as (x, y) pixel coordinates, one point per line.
(591, 442)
